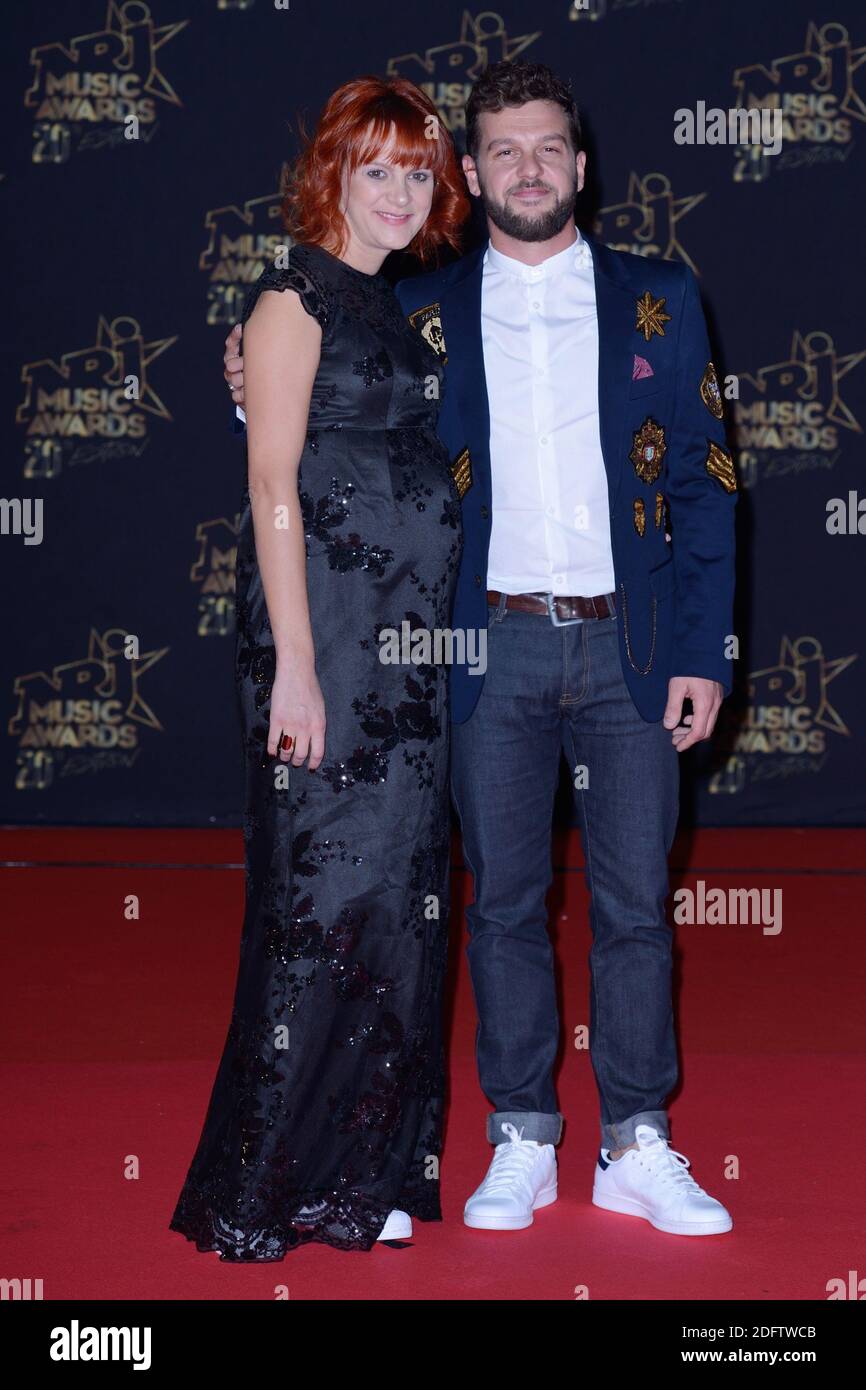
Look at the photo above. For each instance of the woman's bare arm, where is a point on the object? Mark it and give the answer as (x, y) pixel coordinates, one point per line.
(282, 345)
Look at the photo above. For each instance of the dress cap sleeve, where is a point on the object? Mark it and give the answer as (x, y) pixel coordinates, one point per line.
(299, 276)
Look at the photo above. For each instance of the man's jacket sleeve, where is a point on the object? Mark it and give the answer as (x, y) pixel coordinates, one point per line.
(701, 488)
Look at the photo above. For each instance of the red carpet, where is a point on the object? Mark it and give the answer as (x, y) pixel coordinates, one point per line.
(113, 1029)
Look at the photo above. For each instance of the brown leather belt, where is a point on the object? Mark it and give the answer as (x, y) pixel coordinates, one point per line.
(560, 608)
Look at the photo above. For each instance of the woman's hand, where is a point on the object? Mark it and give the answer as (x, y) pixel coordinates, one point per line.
(298, 709)
(233, 365)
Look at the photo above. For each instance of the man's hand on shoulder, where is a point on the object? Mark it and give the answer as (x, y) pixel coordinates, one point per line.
(233, 364)
(706, 697)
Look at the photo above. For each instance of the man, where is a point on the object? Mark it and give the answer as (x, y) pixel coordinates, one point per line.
(584, 420)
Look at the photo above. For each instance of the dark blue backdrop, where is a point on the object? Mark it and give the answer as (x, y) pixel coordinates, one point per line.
(129, 257)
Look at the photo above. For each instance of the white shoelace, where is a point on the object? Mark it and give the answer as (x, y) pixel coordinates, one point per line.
(512, 1162)
(668, 1165)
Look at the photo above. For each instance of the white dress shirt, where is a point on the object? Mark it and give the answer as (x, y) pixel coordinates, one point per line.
(550, 529)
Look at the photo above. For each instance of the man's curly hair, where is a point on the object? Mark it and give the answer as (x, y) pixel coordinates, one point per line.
(514, 84)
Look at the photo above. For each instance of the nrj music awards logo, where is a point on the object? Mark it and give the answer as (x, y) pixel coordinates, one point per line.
(647, 222)
(788, 720)
(102, 89)
(241, 242)
(447, 71)
(85, 715)
(95, 403)
(213, 574)
(815, 92)
(789, 415)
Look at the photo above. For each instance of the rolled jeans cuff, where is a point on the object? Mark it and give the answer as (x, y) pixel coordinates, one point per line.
(544, 1129)
(620, 1135)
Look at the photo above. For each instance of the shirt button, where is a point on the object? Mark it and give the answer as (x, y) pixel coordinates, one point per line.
(536, 304)
(559, 578)
(543, 439)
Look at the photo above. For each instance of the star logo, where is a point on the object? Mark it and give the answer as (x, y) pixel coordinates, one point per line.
(801, 677)
(646, 222)
(107, 649)
(105, 673)
(812, 372)
(650, 316)
(118, 352)
(825, 65)
(483, 41)
(446, 71)
(127, 44)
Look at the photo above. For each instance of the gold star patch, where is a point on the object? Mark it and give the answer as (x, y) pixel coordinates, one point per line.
(720, 466)
(650, 316)
(648, 450)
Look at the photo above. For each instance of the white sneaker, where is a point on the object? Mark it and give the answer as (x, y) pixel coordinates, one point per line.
(651, 1181)
(521, 1178)
(397, 1227)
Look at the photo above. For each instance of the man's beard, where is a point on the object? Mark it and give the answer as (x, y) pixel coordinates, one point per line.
(541, 227)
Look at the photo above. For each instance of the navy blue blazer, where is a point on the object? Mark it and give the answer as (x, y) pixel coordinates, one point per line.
(663, 442)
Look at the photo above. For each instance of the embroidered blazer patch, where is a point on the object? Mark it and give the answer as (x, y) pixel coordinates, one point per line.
(650, 317)
(428, 322)
(648, 450)
(710, 393)
(639, 518)
(720, 466)
(461, 472)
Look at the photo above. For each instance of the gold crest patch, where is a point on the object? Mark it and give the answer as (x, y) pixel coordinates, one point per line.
(650, 316)
(720, 465)
(660, 510)
(648, 450)
(428, 322)
(639, 515)
(710, 393)
(461, 472)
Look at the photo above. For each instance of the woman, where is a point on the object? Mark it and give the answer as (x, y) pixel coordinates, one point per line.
(325, 1118)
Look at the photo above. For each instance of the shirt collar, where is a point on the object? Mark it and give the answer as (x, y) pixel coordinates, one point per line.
(576, 256)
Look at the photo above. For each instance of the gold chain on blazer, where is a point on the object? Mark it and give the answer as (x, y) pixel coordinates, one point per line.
(641, 670)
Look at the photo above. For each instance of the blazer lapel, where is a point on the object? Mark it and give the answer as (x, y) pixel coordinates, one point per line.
(615, 305)
(460, 310)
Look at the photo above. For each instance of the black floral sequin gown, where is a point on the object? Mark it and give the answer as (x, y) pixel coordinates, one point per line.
(326, 1110)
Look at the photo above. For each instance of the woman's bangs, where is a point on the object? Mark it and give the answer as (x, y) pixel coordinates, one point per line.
(400, 139)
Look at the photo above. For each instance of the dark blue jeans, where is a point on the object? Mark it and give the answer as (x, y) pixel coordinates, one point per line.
(548, 691)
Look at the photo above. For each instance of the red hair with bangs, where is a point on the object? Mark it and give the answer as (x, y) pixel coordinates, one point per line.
(359, 119)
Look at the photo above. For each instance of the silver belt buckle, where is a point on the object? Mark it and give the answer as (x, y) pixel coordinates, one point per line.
(554, 616)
